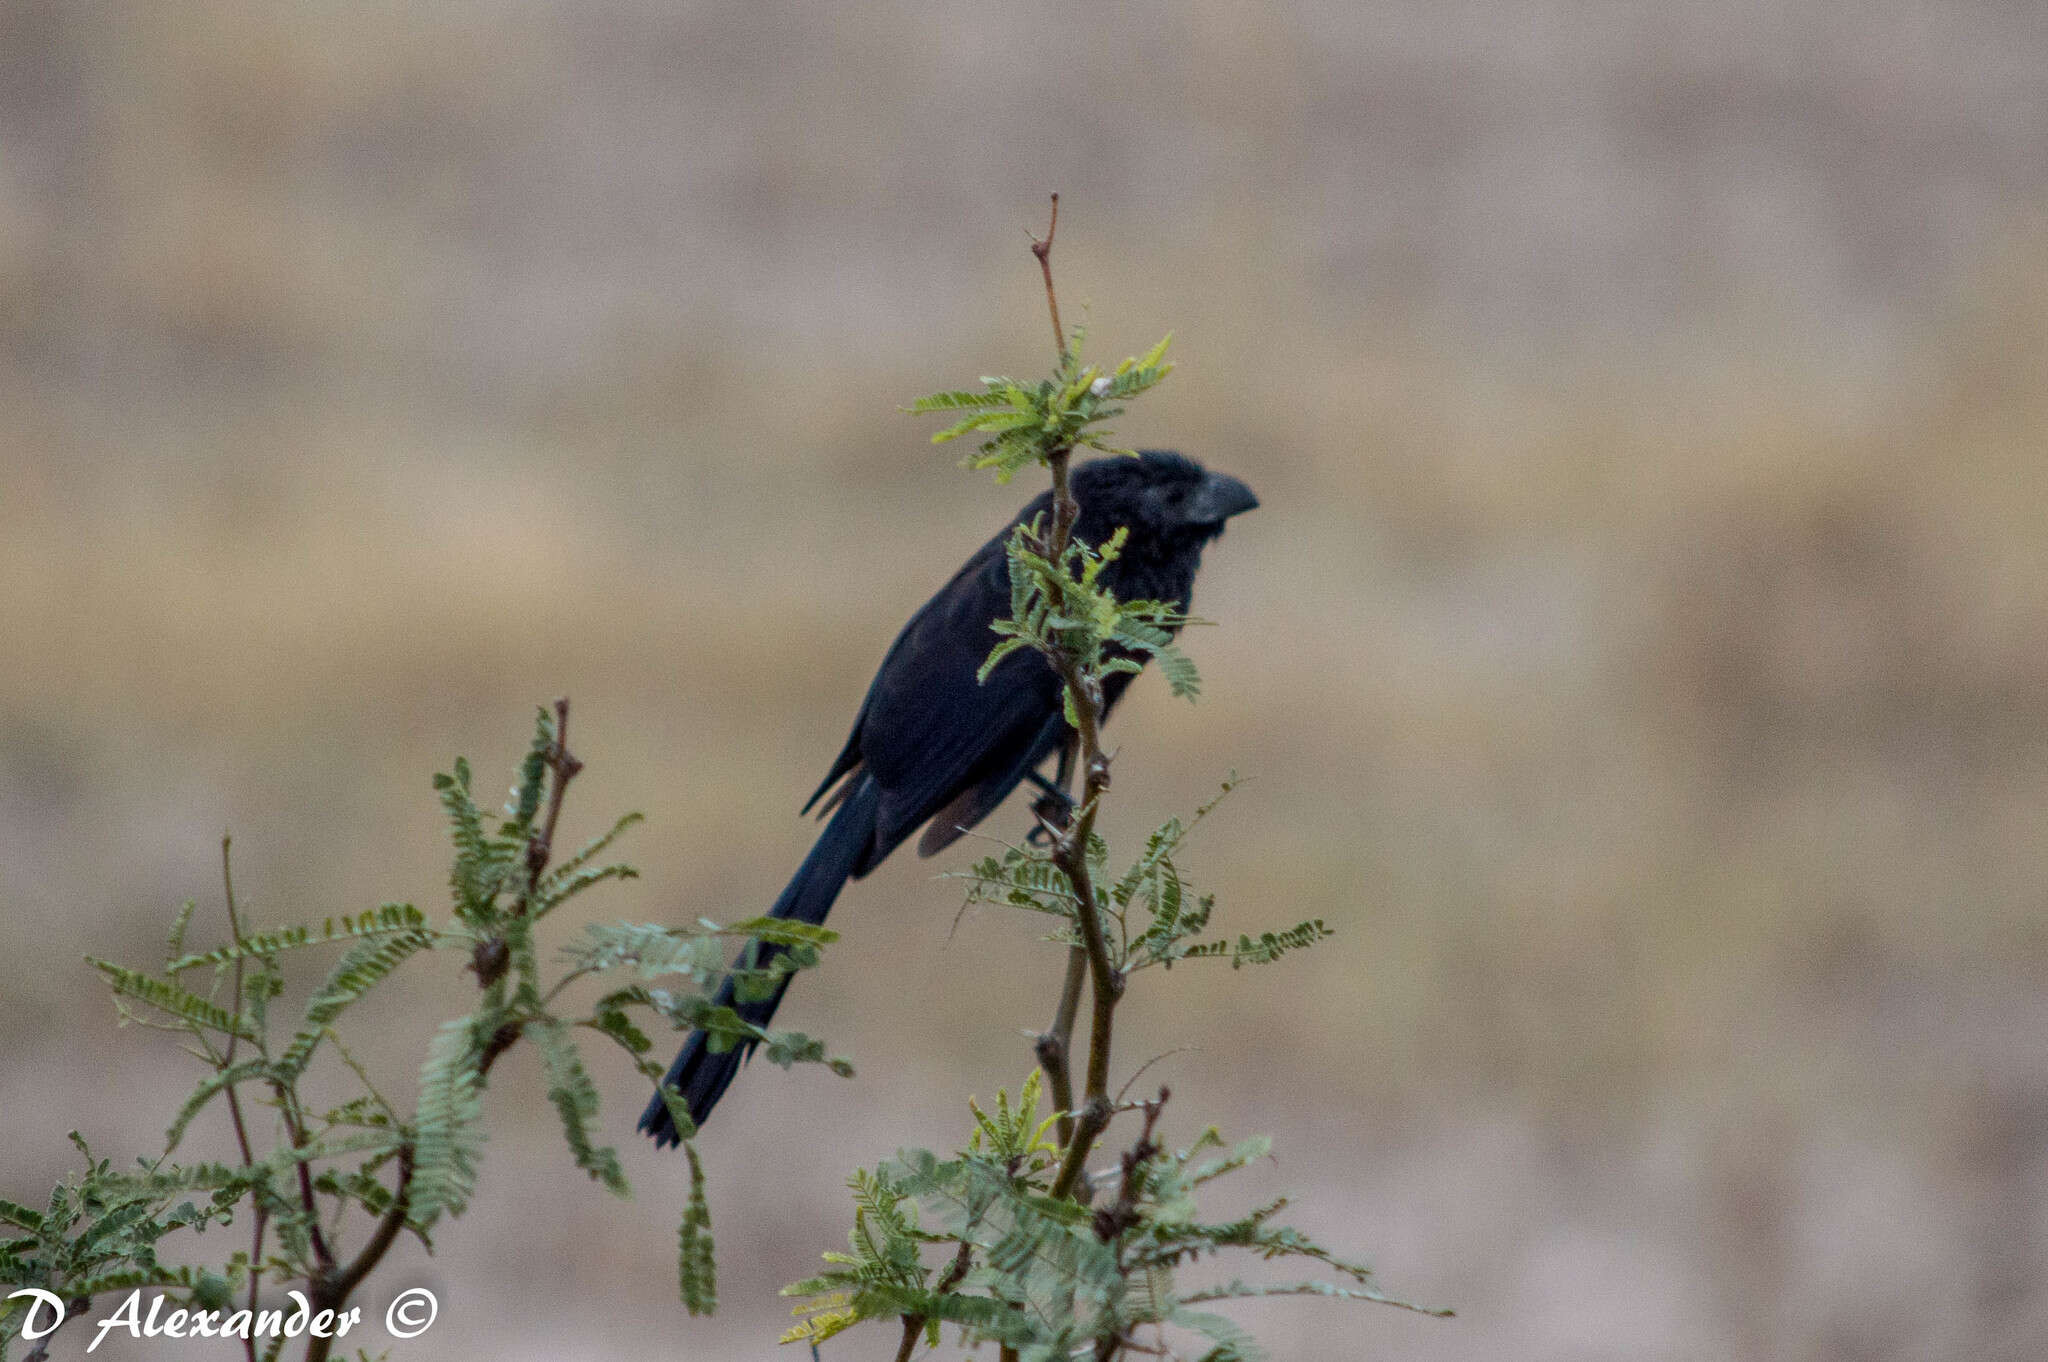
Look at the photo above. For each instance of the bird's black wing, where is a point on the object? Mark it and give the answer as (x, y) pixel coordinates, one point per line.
(928, 730)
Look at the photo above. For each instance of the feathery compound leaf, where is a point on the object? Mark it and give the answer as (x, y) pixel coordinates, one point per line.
(831, 1313)
(1016, 551)
(111, 1226)
(786, 1048)
(479, 865)
(957, 400)
(1019, 879)
(782, 931)
(1180, 672)
(1152, 356)
(1015, 1138)
(168, 998)
(209, 1088)
(1269, 947)
(1246, 1152)
(20, 1216)
(1159, 848)
(590, 851)
(696, 1269)
(366, 964)
(575, 1100)
(1239, 1290)
(450, 1138)
(1135, 382)
(650, 948)
(1028, 423)
(381, 921)
(174, 944)
(559, 890)
(885, 1236)
(682, 1011)
(996, 655)
(129, 1279)
(964, 426)
(612, 1021)
(1233, 1344)
(533, 778)
(187, 1177)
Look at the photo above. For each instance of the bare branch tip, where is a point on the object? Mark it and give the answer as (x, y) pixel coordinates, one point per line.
(1042, 246)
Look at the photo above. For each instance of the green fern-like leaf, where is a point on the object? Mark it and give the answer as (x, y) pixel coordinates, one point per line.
(128, 1279)
(386, 920)
(168, 998)
(1028, 423)
(782, 931)
(1233, 1344)
(1240, 1290)
(1180, 672)
(575, 1100)
(696, 1268)
(533, 778)
(481, 861)
(589, 852)
(166, 1179)
(209, 1088)
(174, 944)
(558, 891)
(952, 401)
(651, 949)
(1019, 879)
(20, 1216)
(1269, 946)
(450, 1135)
(365, 965)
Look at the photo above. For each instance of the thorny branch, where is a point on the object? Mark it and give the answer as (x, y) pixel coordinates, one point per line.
(262, 1214)
(332, 1286)
(1089, 962)
(1070, 841)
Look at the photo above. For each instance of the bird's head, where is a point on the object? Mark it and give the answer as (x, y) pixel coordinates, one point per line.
(1166, 495)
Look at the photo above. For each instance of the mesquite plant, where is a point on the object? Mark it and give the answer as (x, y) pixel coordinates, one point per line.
(1012, 1239)
(307, 1178)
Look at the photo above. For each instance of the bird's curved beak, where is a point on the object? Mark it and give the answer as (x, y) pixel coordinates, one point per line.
(1218, 499)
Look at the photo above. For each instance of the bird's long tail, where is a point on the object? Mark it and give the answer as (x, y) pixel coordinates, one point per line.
(702, 1076)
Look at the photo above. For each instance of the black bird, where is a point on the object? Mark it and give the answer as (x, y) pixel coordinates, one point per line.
(931, 743)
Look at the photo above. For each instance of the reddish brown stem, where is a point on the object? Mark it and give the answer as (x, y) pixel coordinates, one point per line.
(261, 1215)
(1070, 853)
(1042, 248)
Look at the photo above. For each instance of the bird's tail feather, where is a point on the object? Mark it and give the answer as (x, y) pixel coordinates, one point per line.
(702, 1076)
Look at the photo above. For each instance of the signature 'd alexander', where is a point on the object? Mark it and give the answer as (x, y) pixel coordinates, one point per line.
(409, 1316)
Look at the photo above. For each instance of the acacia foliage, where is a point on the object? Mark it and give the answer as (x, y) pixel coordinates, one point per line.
(311, 1177)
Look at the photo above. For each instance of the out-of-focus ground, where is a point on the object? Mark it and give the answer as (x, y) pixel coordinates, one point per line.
(1641, 652)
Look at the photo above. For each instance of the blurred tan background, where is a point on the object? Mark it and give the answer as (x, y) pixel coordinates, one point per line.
(1640, 654)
